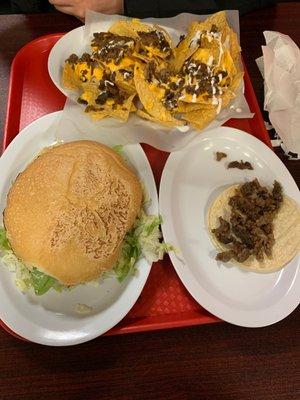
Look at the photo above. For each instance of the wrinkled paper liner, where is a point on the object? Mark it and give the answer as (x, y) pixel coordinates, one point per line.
(136, 129)
(280, 68)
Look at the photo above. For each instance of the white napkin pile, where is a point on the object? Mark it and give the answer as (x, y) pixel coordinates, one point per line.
(280, 67)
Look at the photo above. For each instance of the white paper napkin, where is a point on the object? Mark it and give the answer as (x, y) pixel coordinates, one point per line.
(280, 67)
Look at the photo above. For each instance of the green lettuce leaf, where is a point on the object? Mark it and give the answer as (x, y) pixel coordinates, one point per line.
(41, 282)
(143, 239)
(25, 278)
(119, 149)
(4, 244)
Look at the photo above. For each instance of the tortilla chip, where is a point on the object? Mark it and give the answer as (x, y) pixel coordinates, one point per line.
(125, 63)
(133, 107)
(203, 55)
(199, 119)
(218, 19)
(121, 111)
(181, 53)
(184, 107)
(190, 45)
(96, 114)
(227, 64)
(170, 124)
(130, 28)
(70, 79)
(231, 91)
(231, 43)
(90, 92)
(150, 96)
(126, 85)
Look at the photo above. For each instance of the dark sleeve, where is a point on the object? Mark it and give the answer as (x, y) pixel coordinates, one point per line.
(169, 8)
(30, 6)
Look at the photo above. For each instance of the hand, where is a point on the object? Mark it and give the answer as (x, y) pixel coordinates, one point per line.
(78, 7)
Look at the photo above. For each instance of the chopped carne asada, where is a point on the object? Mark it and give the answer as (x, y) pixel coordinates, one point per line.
(127, 74)
(240, 165)
(81, 101)
(85, 58)
(170, 100)
(108, 90)
(201, 79)
(249, 230)
(110, 47)
(214, 29)
(220, 155)
(72, 59)
(181, 38)
(150, 71)
(155, 39)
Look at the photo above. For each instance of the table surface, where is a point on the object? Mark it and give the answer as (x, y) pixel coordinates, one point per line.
(218, 361)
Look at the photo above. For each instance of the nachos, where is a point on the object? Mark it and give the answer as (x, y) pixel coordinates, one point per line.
(134, 67)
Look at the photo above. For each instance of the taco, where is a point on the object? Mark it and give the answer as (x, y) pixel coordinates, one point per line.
(255, 227)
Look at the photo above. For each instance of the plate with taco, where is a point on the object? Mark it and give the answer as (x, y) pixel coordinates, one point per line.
(231, 210)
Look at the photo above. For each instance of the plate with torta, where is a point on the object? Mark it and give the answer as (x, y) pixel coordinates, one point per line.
(80, 231)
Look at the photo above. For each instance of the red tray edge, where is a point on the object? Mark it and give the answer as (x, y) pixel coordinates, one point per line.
(136, 325)
(12, 123)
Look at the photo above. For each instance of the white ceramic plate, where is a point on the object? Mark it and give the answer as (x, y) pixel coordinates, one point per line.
(191, 180)
(51, 319)
(71, 42)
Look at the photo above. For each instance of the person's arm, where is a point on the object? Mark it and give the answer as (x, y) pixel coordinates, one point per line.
(79, 7)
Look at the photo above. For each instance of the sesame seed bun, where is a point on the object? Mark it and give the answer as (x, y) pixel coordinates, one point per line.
(68, 212)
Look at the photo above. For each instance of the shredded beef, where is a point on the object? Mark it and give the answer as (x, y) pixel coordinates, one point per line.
(155, 39)
(214, 28)
(220, 155)
(277, 192)
(81, 101)
(72, 59)
(225, 256)
(150, 71)
(223, 233)
(108, 46)
(181, 38)
(249, 230)
(126, 74)
(109, 90)
(240, 165)
(170, 99)
(86, 57)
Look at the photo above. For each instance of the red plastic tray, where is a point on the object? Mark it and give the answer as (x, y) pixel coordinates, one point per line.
(164, 302)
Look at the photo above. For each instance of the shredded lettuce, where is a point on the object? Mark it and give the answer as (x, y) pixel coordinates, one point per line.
(4, 244)
(119, 149)
(144, 239)
(41, 282)
(25, 278)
